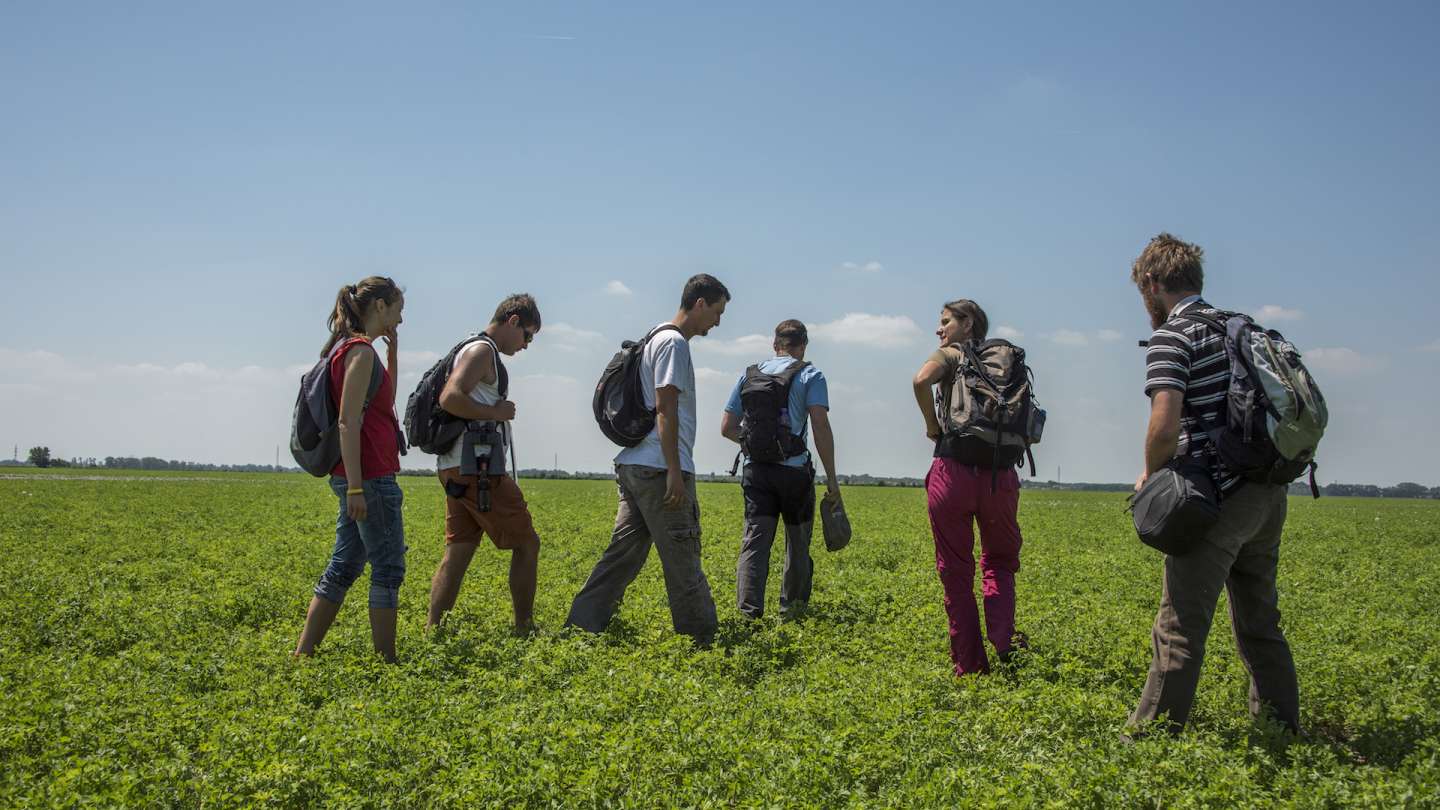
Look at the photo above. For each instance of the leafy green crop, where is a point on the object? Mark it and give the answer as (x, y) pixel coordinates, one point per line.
(147, 624)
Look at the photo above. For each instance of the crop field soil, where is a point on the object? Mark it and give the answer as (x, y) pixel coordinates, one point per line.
(146, 624)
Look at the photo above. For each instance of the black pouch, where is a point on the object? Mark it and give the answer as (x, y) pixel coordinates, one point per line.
(1175, 508)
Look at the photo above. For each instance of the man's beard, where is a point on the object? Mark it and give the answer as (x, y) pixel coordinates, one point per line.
(1158, 314)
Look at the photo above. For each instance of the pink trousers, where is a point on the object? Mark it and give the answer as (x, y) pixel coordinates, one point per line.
(959, 496)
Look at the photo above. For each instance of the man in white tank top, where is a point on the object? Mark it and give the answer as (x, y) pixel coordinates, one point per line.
(483, 503)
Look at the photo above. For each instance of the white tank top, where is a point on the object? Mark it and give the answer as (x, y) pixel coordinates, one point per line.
(482, 394)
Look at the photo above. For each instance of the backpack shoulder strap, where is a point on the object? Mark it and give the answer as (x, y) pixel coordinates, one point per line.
(502, 377)
(377, 369)
(1197, 317)
(972, 357)
(791, 372)
(664, 327)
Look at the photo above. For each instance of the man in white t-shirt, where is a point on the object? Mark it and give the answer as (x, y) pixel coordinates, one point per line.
(656, 479)
(487, 502)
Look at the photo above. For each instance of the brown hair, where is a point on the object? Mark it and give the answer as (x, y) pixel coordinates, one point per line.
(522, 304)
(347, 319)
(971, 311)
(1173, 263)
(791, 333)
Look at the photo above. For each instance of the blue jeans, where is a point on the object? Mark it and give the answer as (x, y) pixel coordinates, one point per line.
(380, 538)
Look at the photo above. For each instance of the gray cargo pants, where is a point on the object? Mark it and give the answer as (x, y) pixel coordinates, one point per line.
(641, 520)
(1240, 553)
(775, 492)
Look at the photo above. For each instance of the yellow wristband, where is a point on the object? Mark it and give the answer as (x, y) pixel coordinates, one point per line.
(355, 491)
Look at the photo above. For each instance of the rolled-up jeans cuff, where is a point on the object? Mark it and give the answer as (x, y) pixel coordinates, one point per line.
(384, 597)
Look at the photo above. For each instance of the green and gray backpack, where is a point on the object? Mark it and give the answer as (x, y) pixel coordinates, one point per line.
(1275, 415)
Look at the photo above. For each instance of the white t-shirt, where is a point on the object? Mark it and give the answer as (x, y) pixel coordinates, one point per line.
(483, 394)
(666, 361)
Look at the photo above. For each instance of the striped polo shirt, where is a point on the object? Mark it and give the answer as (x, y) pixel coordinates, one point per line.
(1189, 357)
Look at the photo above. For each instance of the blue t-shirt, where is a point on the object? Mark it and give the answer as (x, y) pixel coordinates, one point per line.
(808, 389)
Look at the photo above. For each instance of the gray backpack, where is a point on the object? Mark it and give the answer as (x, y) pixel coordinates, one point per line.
(988, 412)
(314, 428)
(1275, 415)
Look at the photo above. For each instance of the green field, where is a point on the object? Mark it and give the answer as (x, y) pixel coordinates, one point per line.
(147, 624)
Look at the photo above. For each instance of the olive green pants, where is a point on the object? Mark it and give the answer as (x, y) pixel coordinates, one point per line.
(1240, 553)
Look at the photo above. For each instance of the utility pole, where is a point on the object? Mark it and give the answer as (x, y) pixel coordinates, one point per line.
(277, 458)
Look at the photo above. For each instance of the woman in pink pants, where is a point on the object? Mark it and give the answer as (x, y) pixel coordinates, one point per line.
(963, 490)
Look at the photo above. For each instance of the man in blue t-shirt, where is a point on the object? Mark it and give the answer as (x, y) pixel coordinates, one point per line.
(782, 485)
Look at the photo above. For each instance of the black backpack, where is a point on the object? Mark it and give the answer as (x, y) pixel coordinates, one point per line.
(314, 428)
(430, 427)
(988, 412)
(765, 434)
(619, 402)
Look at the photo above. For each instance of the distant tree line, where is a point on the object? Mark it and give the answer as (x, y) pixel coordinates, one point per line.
(41, 457)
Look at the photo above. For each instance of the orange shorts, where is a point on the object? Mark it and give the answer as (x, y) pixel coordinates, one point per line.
(508, 522)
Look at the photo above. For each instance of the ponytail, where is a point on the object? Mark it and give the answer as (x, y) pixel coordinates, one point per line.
(347, 318)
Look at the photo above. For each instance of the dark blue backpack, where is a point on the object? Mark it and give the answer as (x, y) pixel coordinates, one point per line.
(314, 428)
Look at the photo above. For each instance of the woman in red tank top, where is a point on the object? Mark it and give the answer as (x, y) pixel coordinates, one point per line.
(369, 527)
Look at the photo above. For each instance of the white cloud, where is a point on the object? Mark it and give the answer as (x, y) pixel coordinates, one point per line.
(417, 358)
(1069, 337)
(570, 339)
(1274, 312)
(618, 288)
(706, 374)
(190, 370)
(542, 380)
(880, 331)
(570, 334)
(1432, 346)
(862, 267)
(1008, 332)
(1108, 335)
(1340, 360)
(744, 345)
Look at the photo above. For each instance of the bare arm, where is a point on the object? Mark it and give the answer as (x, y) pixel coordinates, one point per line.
(825, 444)
(730, 426)
(352, 415)
(1163, 434)
(667, 419)
(929, 374)
(475, 366)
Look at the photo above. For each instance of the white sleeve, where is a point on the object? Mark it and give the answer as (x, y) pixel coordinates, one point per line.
(672, 364)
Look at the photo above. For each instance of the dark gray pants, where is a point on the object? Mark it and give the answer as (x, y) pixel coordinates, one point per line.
(642, 520)
(774, 492)
(1240, 553)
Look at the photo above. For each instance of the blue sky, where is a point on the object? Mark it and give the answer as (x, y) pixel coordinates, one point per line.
(184, 186)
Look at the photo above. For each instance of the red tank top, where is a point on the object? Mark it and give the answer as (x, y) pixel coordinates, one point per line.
(379, 429)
